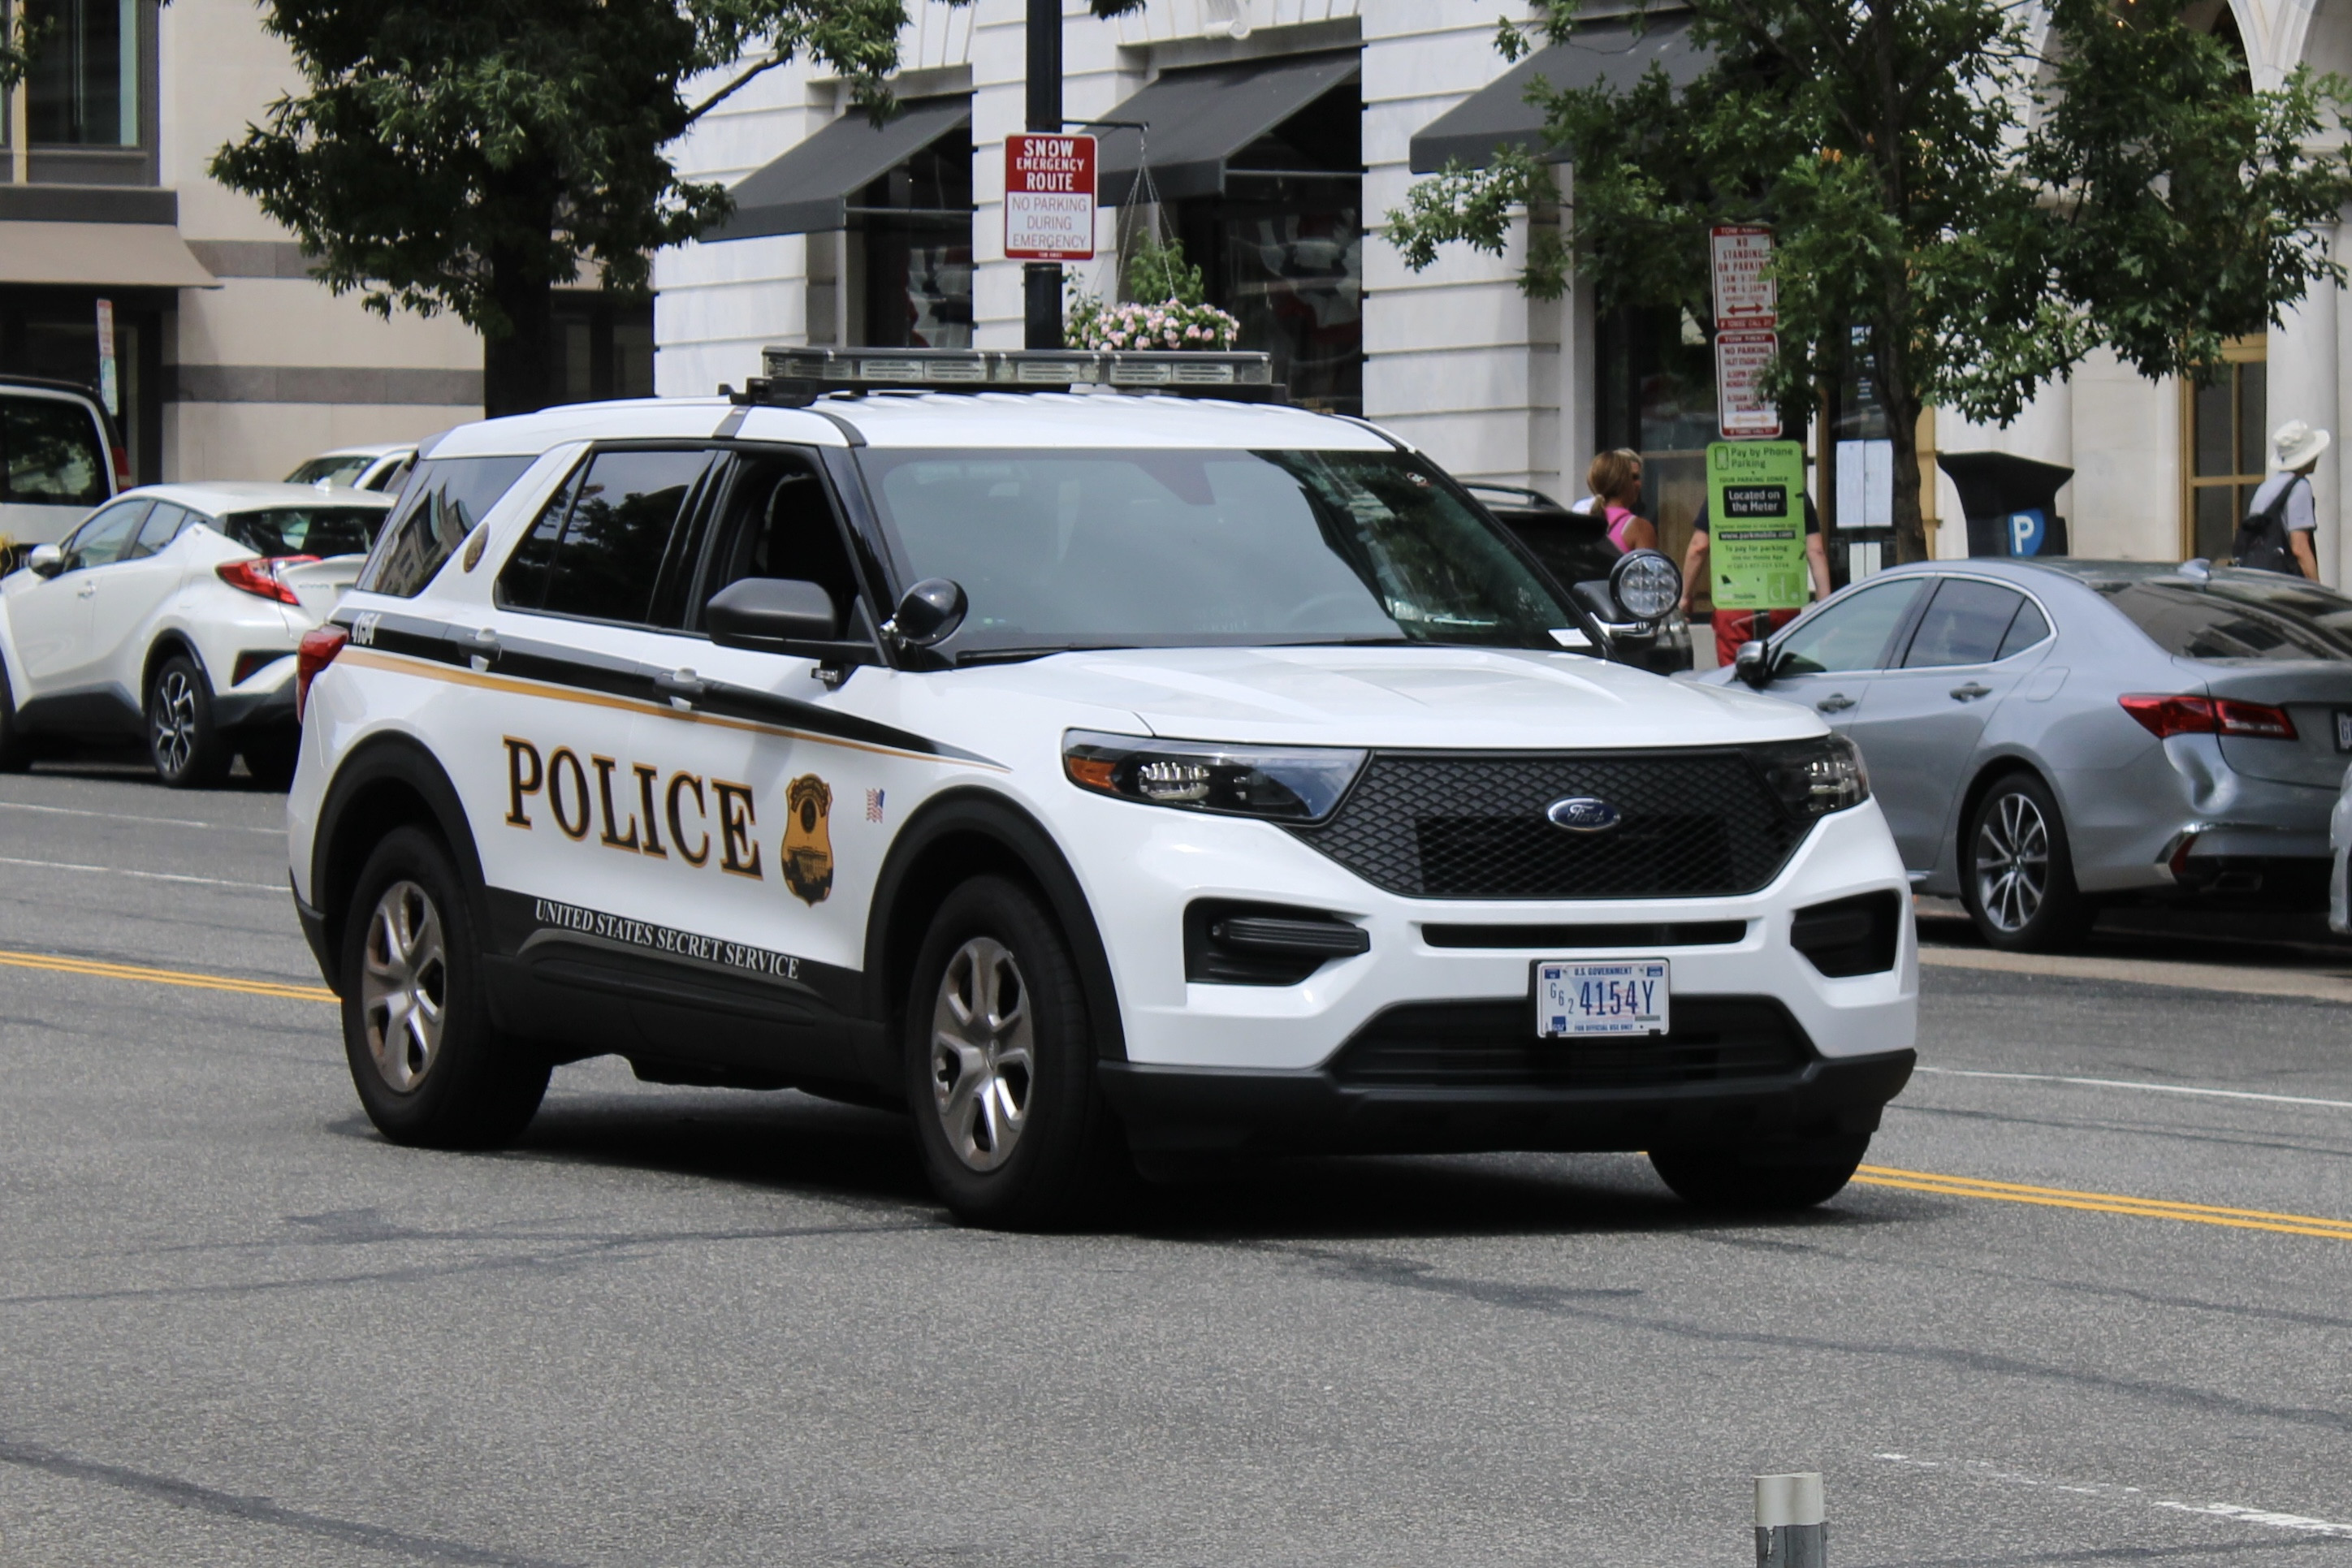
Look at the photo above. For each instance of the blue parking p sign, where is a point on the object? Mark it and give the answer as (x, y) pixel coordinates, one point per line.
(2027, 531)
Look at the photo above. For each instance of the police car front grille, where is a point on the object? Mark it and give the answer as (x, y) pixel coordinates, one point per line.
(1453, 825)
(1494, 1045)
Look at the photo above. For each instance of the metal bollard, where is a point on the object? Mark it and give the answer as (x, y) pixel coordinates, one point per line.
(1790, 1529)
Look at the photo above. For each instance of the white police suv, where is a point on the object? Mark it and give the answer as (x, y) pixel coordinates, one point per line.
(1090, 774)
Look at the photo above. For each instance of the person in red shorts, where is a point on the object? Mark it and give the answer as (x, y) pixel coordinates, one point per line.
(1733, 627)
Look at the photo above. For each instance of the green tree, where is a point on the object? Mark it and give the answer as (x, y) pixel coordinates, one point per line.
(470, 155)
(1983, 205)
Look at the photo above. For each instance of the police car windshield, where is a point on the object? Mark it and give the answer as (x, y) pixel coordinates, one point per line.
(1187, 548)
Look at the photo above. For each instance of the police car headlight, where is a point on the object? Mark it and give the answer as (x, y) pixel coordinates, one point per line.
(1285, 783)
(1645, 585)
(1815, 778)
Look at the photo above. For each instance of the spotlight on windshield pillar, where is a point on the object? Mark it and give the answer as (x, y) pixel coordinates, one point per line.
(1790, 1530)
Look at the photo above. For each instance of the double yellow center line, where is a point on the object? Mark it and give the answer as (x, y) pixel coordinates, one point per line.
(1868, 1176)
(104, 971)
(2105, 1203)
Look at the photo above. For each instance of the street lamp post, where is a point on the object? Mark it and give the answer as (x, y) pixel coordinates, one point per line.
(1041, 281)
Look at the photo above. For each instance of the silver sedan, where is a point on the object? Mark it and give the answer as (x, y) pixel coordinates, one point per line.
(2046, 736)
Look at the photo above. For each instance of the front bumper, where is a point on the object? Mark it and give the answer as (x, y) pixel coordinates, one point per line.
(1207, 1110)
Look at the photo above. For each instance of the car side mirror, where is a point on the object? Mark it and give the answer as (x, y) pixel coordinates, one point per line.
(1753, 664)
(928, 615)
(47, 561)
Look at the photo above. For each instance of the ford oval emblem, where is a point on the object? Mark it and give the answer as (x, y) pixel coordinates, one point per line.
(1583, 815)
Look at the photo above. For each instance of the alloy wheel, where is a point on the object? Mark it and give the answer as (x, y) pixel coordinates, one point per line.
(984, 1054)
(172, 723)
(405, 984)
(2013, 862)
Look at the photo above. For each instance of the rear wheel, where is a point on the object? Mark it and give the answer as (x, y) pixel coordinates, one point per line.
(1798, 1176)
(1000, 1066)
(2017, 874)
(182, 740)
(15, 752)
(429, 1067)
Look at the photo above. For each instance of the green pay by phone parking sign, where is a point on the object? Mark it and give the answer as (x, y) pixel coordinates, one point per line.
(1755, 524)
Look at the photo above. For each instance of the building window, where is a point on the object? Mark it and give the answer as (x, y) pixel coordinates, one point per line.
(84, 86)
(604, 346)
(910, 242)
(2225, 421)
(1283, 248)
(1657, 395)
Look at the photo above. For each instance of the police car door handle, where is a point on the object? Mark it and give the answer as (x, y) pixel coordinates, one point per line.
(86, 589)
(1836, 701)
(682, 687)
(1969, 692)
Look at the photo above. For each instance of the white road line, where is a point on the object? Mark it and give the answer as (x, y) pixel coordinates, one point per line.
(2232, 1511)
(124, 817)
(145, 876)
(2144, 1088)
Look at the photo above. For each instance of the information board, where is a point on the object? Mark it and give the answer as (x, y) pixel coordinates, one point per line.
(1049, 198)
(1755, 524)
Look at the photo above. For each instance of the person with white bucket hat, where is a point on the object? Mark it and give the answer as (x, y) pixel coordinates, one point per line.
(2277, 532)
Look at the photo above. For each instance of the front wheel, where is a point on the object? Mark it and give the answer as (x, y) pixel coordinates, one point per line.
(1000, 1065)
(1768, 1180)
(428, 1066)
(182, 740)
(2017, 874)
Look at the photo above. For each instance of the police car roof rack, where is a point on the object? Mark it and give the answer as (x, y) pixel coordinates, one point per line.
(796, 378)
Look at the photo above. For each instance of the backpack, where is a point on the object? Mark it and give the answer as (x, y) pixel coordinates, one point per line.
(2261, 542)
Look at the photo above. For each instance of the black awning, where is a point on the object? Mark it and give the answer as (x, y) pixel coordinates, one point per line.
(1199, 118)
(1614, 53)
(809, 187)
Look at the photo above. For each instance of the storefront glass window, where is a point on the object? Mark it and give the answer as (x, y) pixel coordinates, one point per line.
(1283, 250)
(2227, 420)
(915, 226)
(83, 89)
(1657, 395)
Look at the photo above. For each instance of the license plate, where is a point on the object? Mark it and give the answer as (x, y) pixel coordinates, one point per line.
(1621, 996)
(2344, 730)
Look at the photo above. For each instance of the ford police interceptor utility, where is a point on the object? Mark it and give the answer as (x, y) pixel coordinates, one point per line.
(1093, 775)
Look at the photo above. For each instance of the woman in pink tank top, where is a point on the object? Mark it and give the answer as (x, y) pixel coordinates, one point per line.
(1615, 478)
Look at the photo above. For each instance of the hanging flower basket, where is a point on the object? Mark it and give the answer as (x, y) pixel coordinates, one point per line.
(1170, 324)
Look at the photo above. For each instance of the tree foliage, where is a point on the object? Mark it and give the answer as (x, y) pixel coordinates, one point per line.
(1988, 204)
(469, 155)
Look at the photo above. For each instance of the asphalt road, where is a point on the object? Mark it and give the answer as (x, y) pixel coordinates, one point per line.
(687, 1327)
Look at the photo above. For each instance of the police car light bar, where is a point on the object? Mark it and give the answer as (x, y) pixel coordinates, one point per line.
(801, 375)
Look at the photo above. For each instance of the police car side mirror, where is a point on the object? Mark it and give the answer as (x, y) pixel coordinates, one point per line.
(770, 615)
(928, 615)
(47, 561)
(1753, 664)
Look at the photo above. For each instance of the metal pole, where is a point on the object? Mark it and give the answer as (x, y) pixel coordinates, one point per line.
(1041, 281)
(1791, 1530)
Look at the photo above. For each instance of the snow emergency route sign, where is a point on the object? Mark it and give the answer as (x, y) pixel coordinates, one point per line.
(1049, 198)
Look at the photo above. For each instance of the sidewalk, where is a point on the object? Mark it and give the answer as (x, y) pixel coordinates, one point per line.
(2272, 955)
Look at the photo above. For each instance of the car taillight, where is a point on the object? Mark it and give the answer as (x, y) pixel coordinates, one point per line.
(318, 650)
(2164, 716)
(261, 576)
(121, 470)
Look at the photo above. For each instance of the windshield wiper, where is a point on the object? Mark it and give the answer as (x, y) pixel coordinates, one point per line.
(1017, 655)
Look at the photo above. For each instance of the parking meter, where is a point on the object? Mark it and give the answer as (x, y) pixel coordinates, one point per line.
(2011, 502)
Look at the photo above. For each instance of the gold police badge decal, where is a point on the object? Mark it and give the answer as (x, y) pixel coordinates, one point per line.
(808, 840)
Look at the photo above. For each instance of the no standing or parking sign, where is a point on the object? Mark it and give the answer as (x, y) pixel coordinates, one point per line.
(1049, 198)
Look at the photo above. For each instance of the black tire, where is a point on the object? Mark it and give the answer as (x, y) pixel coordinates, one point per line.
(1014, 1132)
(410, 950)
(16, 750)
(2017, 871)
(182, 742)
(270, 758)
(1762, 1180)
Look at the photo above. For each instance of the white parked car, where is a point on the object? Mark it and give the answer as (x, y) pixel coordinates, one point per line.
(379, 467)
(173, 613)
(1087, 774)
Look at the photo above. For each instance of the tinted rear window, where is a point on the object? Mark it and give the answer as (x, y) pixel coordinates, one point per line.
(445, 497)
(305, 530)
(2236, 618)
(51, 452)
(596, 551)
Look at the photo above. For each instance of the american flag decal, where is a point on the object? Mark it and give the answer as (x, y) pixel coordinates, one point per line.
(874, 805)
